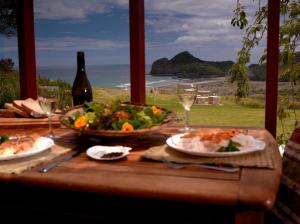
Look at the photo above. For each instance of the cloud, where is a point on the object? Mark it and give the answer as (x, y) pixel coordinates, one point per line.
(66, 44)
(71, 43)
(171, 25)
(188, 21)
(190, 7)
(195, 24)
(71, 10)
(8, 44)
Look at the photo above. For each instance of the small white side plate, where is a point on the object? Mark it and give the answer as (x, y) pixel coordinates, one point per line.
(40, 145)
(97, 151)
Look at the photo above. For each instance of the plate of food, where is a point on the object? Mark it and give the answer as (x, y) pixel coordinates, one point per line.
(116, 119)
(215, 143)
(16, 147)
(100, 152)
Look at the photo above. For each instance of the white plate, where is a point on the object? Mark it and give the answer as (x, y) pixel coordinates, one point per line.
(96, 152)
(40, 145)
(174, 142)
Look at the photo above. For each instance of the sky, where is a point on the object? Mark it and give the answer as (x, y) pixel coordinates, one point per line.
(100, 28)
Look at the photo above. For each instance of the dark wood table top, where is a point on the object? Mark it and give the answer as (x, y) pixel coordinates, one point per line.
(137, 177)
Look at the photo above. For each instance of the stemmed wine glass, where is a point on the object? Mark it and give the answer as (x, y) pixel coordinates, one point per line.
(48, 98)
(186, 93)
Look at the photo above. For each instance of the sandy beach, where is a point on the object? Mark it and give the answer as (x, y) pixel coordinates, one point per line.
(221, 87)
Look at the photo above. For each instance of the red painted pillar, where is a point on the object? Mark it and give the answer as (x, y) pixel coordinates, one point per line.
(137, 50)
(26, 44)
(272, 66)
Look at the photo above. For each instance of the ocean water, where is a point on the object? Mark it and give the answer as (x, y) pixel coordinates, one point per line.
(104, 75)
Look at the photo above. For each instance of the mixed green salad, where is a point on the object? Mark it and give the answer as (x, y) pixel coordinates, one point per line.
(116, 116)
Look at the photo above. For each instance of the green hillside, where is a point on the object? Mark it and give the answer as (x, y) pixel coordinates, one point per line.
(258, 71)
(185, 65)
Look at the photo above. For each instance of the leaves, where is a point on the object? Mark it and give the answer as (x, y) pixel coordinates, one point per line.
(240, 19)
(231, 147)
(8, 17)
(90, 117)
(113, 116)
(3, 138)
(93, 107)
(6, 65)
(254, 33)
(289, 41)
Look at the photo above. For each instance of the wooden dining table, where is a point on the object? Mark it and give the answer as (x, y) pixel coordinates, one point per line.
(86, 189)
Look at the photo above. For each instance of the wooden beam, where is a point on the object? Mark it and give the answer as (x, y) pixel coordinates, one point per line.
(272, 66)
(137, 51)
(26, 45)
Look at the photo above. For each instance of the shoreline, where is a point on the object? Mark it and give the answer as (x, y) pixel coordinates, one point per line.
(221, 87)
(215, 86)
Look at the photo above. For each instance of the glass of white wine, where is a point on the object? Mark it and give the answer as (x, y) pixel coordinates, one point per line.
(186, 93)
(48, 98)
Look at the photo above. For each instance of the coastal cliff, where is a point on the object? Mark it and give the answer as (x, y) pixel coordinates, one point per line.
(185, 65)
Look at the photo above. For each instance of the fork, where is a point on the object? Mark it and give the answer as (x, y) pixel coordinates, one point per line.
(175, 165)
(17, 138)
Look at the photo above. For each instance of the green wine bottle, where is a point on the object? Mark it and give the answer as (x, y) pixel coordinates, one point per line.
(81, 90)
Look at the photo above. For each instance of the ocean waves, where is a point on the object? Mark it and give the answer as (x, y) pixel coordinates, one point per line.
(152, 83)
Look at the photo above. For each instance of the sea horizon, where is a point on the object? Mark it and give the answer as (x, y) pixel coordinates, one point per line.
(117, 76)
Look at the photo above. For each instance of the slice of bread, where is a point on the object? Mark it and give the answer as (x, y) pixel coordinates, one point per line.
(18, 104)
(32, 105)
(16, 110)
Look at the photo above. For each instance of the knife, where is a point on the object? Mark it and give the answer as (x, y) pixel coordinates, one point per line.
(68, 156)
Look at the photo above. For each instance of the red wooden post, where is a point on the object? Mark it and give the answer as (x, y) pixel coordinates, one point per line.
(272, 66)
(26, 46)
(137, 50)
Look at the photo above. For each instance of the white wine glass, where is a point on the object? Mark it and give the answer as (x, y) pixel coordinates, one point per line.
(48, 98)
(186, 93)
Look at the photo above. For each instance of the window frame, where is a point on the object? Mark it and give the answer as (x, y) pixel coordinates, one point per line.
(27, 60)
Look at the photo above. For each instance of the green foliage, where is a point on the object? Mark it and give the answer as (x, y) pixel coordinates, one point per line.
(240, 19)
(231, 147)
(185, 65)
(10, 88)
(239, 75)
(94, 107)
(224, 66)
(258, 72)
(8, 17)
(65, 94)
(6, 65)
(184, 57)
(289, 63)
(289, 40)
(252, 102)
(3, 138)
(254, 33)
(101, 116)
(48, 82)
(198, 70)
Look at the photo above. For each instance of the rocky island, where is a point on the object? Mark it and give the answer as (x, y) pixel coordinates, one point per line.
(185, 65)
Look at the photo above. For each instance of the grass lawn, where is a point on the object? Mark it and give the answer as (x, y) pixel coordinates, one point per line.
(227, 114)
